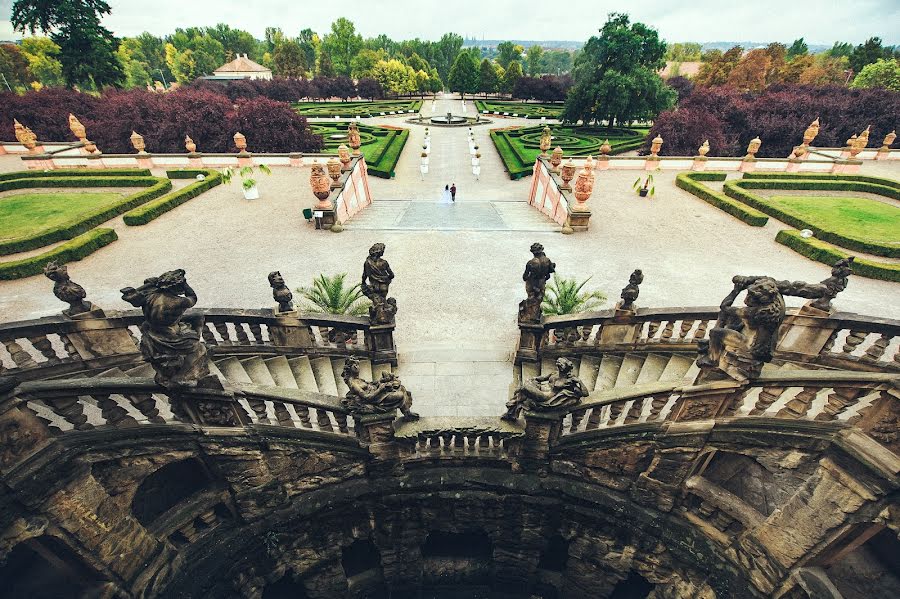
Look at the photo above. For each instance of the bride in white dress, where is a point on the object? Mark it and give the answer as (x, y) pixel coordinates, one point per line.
(445, 197)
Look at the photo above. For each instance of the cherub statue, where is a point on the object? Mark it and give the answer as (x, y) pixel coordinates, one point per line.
(66, 290)
(170, 342)
(631, 291)
(280, 292)
(383, 311)
(537, 272)
(556, 391)
(376, 397)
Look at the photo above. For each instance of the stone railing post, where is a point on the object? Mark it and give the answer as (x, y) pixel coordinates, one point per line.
(376, 433)
(705, 401)
(289, 331)
(806, 332)
(380, 342)
(542, 431)
(531, 338)
(93, 337)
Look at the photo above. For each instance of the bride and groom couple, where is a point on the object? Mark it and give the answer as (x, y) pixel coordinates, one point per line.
(449, 194)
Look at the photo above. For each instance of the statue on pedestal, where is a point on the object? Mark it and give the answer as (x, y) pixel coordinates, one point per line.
(631, 291)
(170, 342)
(537, 273)
(68, 291)
(557, 391)
(280, 292)
(376, 281)
(376, 397)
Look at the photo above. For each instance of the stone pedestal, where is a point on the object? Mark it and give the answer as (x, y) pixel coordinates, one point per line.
(699, 163)
(195, 160)
(381, 344)
(602, 163)
(289, 330)
(794, 165)
(806, 332)
(652, 163)
(748, 165)
(579, 218)
(542, 430)
(93, 337)
(883, 153)
(376, 433)
(145, 161)
(244, 159)
(847, 167)
(530, 338)
(94, 161)
(613, 333)
(706, 401)
(296, 159)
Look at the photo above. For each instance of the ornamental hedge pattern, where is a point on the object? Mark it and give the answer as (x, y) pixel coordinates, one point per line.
(381, 146)
(353, 109)
(78, 248)
(520, 109)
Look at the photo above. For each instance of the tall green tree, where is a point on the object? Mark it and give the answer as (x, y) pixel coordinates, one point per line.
(508, 52)
(87, 48)
(342, 44)
(884, 72)
(511, 76)
(616, 78)
(445, 52)
(43, 60)
(464, 75)
(289, 59)
(236, 41)
(535, 53)
(487, 77)
(868, 52)
(14, 67)
(209, 53)
(308, 41)
(797, 48)
(840, 49)
(363, 64)
(137, 73)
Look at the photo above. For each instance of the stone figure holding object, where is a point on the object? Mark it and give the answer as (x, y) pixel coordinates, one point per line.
(375, 397)
(557, 391)
(537, 273)
(280, 292)
(170, 342)
(376, 281)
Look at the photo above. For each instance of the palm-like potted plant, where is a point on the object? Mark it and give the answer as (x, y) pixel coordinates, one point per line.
(332, 295)
(565, 296)
(248, 182)
(646, 187)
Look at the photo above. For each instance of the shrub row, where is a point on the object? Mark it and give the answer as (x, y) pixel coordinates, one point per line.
(689, 182)
(820, 251)
(78, 172)
(738, 191)
(825, 177)
(155, 187)
(383, 165)
(76, 249)
(151, 210)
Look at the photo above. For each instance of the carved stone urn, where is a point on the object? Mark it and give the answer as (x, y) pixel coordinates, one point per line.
(77, 128)
(703, 150)
(584, 184)
(753, 148)
(344, 156)
(189, 145)
(656, 146)
(605, 149)
(568, 173)
(137, 141)
(334, 169)
(25, 136)
(240, 142)
(556, 159)
(888, 140)
(811, 132)
(320, 184)
(863, 139)
(353, 136)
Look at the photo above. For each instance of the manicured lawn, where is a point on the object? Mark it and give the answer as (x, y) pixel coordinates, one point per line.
(353, 109)
(26, 214)
(859, 218)
(381, 146)
(519, 147)
(528, 110)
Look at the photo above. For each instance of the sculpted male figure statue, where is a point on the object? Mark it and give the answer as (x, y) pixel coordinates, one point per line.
(376, 281)
(631, 291)
(555, 391)
(280, 292)
(169, 343)
(537, 273)
(376, 397)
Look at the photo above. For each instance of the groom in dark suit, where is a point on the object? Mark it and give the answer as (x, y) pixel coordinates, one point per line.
(453, 192)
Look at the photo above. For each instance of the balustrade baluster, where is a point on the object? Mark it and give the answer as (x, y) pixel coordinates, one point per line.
(208, 335)
(593, 421)
(256, 331)
(146, 405)
(242, 337)
(303, 415)
(798, 406)
(876, 350)
(829, 345)
(657, 403)
(634, 411)
(667, 331)
(615, 409)
(112, 412)
(341, 420)
(447, 441)
(652, 327)
(222, 329)
(686, 326)
(282, 415)
(577, 417)
(767, 397)
(19, 356)
(259, 408)
(700, 333)
(484, 442)
(43, 345)
(71, 409)
(323, 420)
(854, 338)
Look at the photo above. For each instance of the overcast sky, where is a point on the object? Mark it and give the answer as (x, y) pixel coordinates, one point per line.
(820, 22)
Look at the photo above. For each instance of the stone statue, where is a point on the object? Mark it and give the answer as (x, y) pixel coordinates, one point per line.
(834, 284)
(376, 281)
(745, 338)
(170, 342)
(67, 290)
(537, 273)
(376, 397)
(557, 391)
(280, 292)
(631, 291)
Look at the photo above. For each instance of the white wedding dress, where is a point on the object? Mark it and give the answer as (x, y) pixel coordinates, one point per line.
(446, 198)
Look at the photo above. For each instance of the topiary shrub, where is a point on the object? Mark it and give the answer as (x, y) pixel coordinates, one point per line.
(151, 210)
(821, 251)
(76, 249)
(690, 183)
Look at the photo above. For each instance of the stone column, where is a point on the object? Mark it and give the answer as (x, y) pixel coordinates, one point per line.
(531, 336)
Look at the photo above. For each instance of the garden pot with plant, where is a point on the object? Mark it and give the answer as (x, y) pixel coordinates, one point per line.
(331, 295)
(646, 188)
(248, 182)
(565, 296)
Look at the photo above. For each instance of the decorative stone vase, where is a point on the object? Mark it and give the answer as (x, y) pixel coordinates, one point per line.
(556, 159)
(656, 146)
(334, 169)
(605, 149)
(189, 145)
(137, 141)
(546, 138)
(320, 184)
(344, 156)
(863, 139)
(811, 132)
(90, 146)
(240, 142)
(353, 137)
(888, 140)
(753, 148)
(703, 150)
(584, 185)
(25, 136)
(251, 193)
(568, 173)
(77, 128)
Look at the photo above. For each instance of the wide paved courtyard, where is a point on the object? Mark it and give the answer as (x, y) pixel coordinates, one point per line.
(457, 286)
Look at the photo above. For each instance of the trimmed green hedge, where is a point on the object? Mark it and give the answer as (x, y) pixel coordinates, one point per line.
(155, 188)
(527, 110)
(381, 146)
(76, 249)
(147, 212)
(690, 183)
(78, 172)
(820, 251)
(387, 161)
(738, 191)
(363, 109)
(825, 177)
